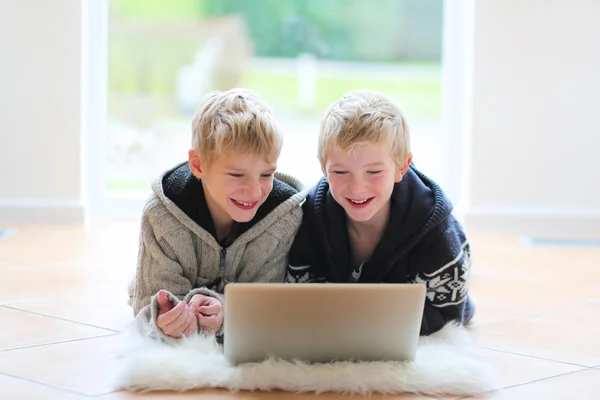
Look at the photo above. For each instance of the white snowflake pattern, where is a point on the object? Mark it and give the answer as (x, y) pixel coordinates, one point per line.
(447, 286)
(298, 274)
(357, 273)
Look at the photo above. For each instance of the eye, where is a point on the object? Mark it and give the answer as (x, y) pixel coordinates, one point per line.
(340, 172)
(373, 172)
(266, 176)
(236, 175)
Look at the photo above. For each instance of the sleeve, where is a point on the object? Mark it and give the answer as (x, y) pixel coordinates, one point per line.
(158, 269)
(442, 262)
(301, 267)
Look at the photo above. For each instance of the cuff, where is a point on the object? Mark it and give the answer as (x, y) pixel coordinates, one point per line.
(207, 292)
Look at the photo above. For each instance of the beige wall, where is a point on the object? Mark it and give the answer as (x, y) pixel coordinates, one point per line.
(40, 124)
(535, 130)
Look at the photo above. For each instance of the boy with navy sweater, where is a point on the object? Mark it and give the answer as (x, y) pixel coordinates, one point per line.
(375, 218)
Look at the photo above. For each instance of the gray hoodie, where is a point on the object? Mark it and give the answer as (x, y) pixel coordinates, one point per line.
(179, 255)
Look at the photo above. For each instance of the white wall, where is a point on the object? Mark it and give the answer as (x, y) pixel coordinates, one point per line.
(535, 127)
(40, 124)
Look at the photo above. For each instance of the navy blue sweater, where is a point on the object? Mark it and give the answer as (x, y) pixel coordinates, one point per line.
(423, 243)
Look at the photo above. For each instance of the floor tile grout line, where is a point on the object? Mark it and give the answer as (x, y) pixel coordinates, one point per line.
(59, 342)
(536, 357)
(108, 393)
(59, 318)
(44, 384)
(530, 382)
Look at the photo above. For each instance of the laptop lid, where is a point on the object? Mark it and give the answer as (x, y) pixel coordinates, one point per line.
(322, 322)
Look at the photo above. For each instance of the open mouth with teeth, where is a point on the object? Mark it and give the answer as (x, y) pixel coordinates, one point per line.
(243, 204)
(360, 203)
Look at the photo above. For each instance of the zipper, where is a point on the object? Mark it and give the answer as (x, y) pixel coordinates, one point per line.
(226, 242)
(215, 283)
(222, 265)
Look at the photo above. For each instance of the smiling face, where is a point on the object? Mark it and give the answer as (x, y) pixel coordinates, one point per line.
(235, 185)
(362, 180)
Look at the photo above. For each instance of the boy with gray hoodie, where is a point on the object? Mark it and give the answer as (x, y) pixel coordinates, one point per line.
(223, 216)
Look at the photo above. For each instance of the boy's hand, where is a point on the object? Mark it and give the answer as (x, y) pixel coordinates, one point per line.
(209, 312)
(176, 321)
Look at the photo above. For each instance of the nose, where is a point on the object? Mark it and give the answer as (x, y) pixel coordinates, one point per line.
(254, 190)
(355, 185)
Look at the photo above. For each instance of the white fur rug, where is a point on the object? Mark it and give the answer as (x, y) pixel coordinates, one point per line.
(446, 363)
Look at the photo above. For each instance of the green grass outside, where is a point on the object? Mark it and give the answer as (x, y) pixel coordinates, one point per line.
(127, 184)
(419, 99)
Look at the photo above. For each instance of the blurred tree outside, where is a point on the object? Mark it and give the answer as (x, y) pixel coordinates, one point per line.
(392, 46)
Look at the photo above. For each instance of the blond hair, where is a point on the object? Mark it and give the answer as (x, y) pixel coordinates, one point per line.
(364, 116)
(235, 120)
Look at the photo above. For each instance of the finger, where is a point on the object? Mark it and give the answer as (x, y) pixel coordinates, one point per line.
(178, 327)
(173, 328)
(170, 316)
(164, 303)
(216, 326)
(181, 330)
(199, 299)
(210, 310)
(192, 327)
(211, 322)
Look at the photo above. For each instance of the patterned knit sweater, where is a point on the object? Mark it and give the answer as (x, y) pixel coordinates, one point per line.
(180, 254)
(423, 243)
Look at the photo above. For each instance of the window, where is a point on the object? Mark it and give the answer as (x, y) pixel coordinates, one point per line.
(151, 62)
(299, 55)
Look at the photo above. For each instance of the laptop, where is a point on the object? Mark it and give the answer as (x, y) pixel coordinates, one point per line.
(321, 323)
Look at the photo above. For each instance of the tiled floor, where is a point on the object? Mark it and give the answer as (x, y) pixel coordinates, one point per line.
(63, 303)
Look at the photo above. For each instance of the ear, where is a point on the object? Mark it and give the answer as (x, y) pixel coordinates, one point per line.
(195, 164)
(402, 171)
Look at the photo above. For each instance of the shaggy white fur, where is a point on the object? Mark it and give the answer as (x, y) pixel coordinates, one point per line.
(446, 363)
